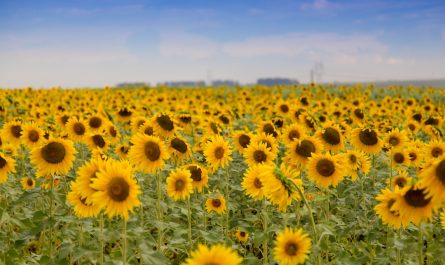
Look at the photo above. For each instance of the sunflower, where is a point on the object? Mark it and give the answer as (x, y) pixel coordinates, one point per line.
(124, 114)
(414, 155)
(95, 123)
(292, 133)
(241, 140)
(385, 210)
(85, 175)
(292, 246)
(12, 131)
(7, 165)
(82, 208)
(355, 161)
(241, 236)
(216, 204)
(414, 204)
(300, 151)
(325, 170)
(252, 183)
(442, 219)
(331, 138)
(258, 154)
(268, 128)
(55, 156)
(433, 178)
(199, 176)
(179, 148)
(137, 122)
(32, 135)
(122, 150)
(112, 131)
(28, 183)
(147, 129)
(179, 185)
(76, 129)
(278, 185)
(164, 125)
(217, 152)
(96, 141)
(434, 150)
(215, 255)
(148, 153)
(366, 140)
(399, 157)
(117, 190)
(395, 139)
(401, 180)
(267, 139)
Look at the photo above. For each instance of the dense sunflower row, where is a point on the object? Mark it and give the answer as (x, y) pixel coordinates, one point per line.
(279, 146)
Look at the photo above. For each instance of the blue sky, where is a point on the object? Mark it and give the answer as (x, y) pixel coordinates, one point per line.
(103, 42)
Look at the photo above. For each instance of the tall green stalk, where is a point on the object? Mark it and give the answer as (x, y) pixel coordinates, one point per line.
(189, 219)
(124, 239)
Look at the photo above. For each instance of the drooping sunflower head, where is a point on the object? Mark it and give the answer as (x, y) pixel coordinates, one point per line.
(215, 255)
(331, 137)
(267, 128)
(199, 176)
(116, 189)
(97, 141)
(54, 156)
(179, 148)
(300, 151)
(366, 140)
(148, 153)
(179, 185)
(164, 125)
(292, 246)
(85, 176)
(241, 140)
(433, 179)
(124, 114)
(216, 204)
(385, 210)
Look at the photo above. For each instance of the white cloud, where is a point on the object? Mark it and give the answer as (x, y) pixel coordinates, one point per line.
(316, 5)
(181, 44)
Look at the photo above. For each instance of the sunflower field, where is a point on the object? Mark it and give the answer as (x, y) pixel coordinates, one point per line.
(301, 174)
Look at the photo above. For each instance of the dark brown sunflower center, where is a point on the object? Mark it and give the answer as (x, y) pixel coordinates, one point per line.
(331, 136)
(268, 144)
(99, 140)
(269, 129)
(291, 249)
(79, 128)
(29, 182)
(390, 204)
(33, 136)
(186, 119)
(2, 162)
(16, 131)
(152, 151)
(259, 156)
(65, 119)
(436, 152)
(411, 126)
(219, 152)
(358, 113)
(242, 234)
(353, 158)
(440, 171)
(165, 122)
(149, 131)
(216, 203)
(325, 167)
(401, 182)
(140, 123)
(224, 119)
(399, 158)
(293, 134)
(83, 201)
(214, 127)
(412, 156)
(118, 189)
(112, 131)
(125, 112)
(196, 173)
(284, 108)
(124, 149)
(179, 145)
(53, 152)
(305, 148)
(244, 140)
(95, 122)
(394, 141)
(179, 185)
(368, 137)
(257, 183)
(416, 198)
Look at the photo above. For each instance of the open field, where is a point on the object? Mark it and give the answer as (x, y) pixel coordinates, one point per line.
(312, 174)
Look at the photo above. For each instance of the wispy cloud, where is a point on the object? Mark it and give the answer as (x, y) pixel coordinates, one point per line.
(316, 5)
(190, 46)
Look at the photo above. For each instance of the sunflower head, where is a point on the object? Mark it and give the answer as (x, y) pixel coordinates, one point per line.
(179, 185)
(216, 204)
(55, 156)
(292, 246)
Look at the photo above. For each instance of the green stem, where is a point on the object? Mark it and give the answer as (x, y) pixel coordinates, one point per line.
(398, 257)
(420, 242)
(265, 242)
(227, 204)
(159, 210)
(101, 238)
(189, 219)
(51, 198)
(124, 239)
